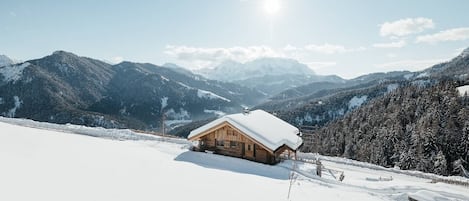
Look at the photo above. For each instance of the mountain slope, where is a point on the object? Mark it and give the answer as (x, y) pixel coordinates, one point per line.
(421, 125)
(274, 84)
(66, 88)
(457, 68)
(414, 127)
(57, 88)
(313, 87)
(145, 91)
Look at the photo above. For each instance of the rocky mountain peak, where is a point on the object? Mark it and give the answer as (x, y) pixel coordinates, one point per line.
(4, 60)
(465, 52)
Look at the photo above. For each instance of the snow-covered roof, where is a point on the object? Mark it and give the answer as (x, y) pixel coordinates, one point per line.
(463, 90)
(260, 125)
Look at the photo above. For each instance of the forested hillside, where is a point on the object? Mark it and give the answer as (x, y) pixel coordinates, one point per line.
(413, 127)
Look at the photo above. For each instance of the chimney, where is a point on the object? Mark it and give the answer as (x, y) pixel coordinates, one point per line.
(246, 111)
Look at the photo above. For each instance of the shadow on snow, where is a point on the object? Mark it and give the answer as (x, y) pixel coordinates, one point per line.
(233, 164)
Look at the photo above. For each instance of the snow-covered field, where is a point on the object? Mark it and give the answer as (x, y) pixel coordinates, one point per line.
(67, 162)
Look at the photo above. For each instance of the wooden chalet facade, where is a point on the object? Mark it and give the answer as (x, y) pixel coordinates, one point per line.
(239, 135)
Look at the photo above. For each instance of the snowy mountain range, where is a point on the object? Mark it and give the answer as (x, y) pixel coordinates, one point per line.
(231, 70)
(66, 88)
(269, 75)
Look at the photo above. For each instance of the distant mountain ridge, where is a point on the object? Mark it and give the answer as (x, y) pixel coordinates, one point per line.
(269, 75)
(66, 88)
(231, 70)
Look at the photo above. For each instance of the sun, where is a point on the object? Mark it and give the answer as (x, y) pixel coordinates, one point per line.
(271, 7)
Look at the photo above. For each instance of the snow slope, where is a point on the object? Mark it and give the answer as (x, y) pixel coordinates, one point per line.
(356, 101)
(13, 72)
(39, 164)
(210, 95)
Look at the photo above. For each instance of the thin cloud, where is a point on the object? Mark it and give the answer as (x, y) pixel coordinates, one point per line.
(316, 65)
(391, 55)
(397, 44)
(201, 57)
(413, 65)
(456, 34)
(406, 26)
(331, 49)
(117, 59)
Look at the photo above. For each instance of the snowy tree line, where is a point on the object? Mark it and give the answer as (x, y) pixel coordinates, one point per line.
(413, 127)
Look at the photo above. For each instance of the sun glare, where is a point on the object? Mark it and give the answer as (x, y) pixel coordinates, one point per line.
(272, 7)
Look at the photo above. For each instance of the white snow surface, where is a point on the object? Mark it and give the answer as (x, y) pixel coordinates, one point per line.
(54, 163)
(216, 112)
(408, 76)
(463, 90)
(164, 102)
(392, 87)
(171, 114)
(12, 111)
(260, 125)
(357, 101)
(210, 95)
(13, 72)
(424, 74)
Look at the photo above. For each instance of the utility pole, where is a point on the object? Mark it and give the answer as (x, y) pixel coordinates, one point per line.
(162, 124)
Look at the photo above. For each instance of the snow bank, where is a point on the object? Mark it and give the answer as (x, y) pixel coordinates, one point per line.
(115, 134)
(456, 179)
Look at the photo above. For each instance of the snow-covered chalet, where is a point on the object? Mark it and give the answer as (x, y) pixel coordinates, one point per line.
(254, 135)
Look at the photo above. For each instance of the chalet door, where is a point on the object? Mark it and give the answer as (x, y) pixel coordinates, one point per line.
(254, 151)
(242, 149)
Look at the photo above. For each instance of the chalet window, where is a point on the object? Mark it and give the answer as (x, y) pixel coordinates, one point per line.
(220, 143)
(233, 144)
(249, 147)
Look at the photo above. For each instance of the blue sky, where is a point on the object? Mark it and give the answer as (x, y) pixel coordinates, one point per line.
(347, 38)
